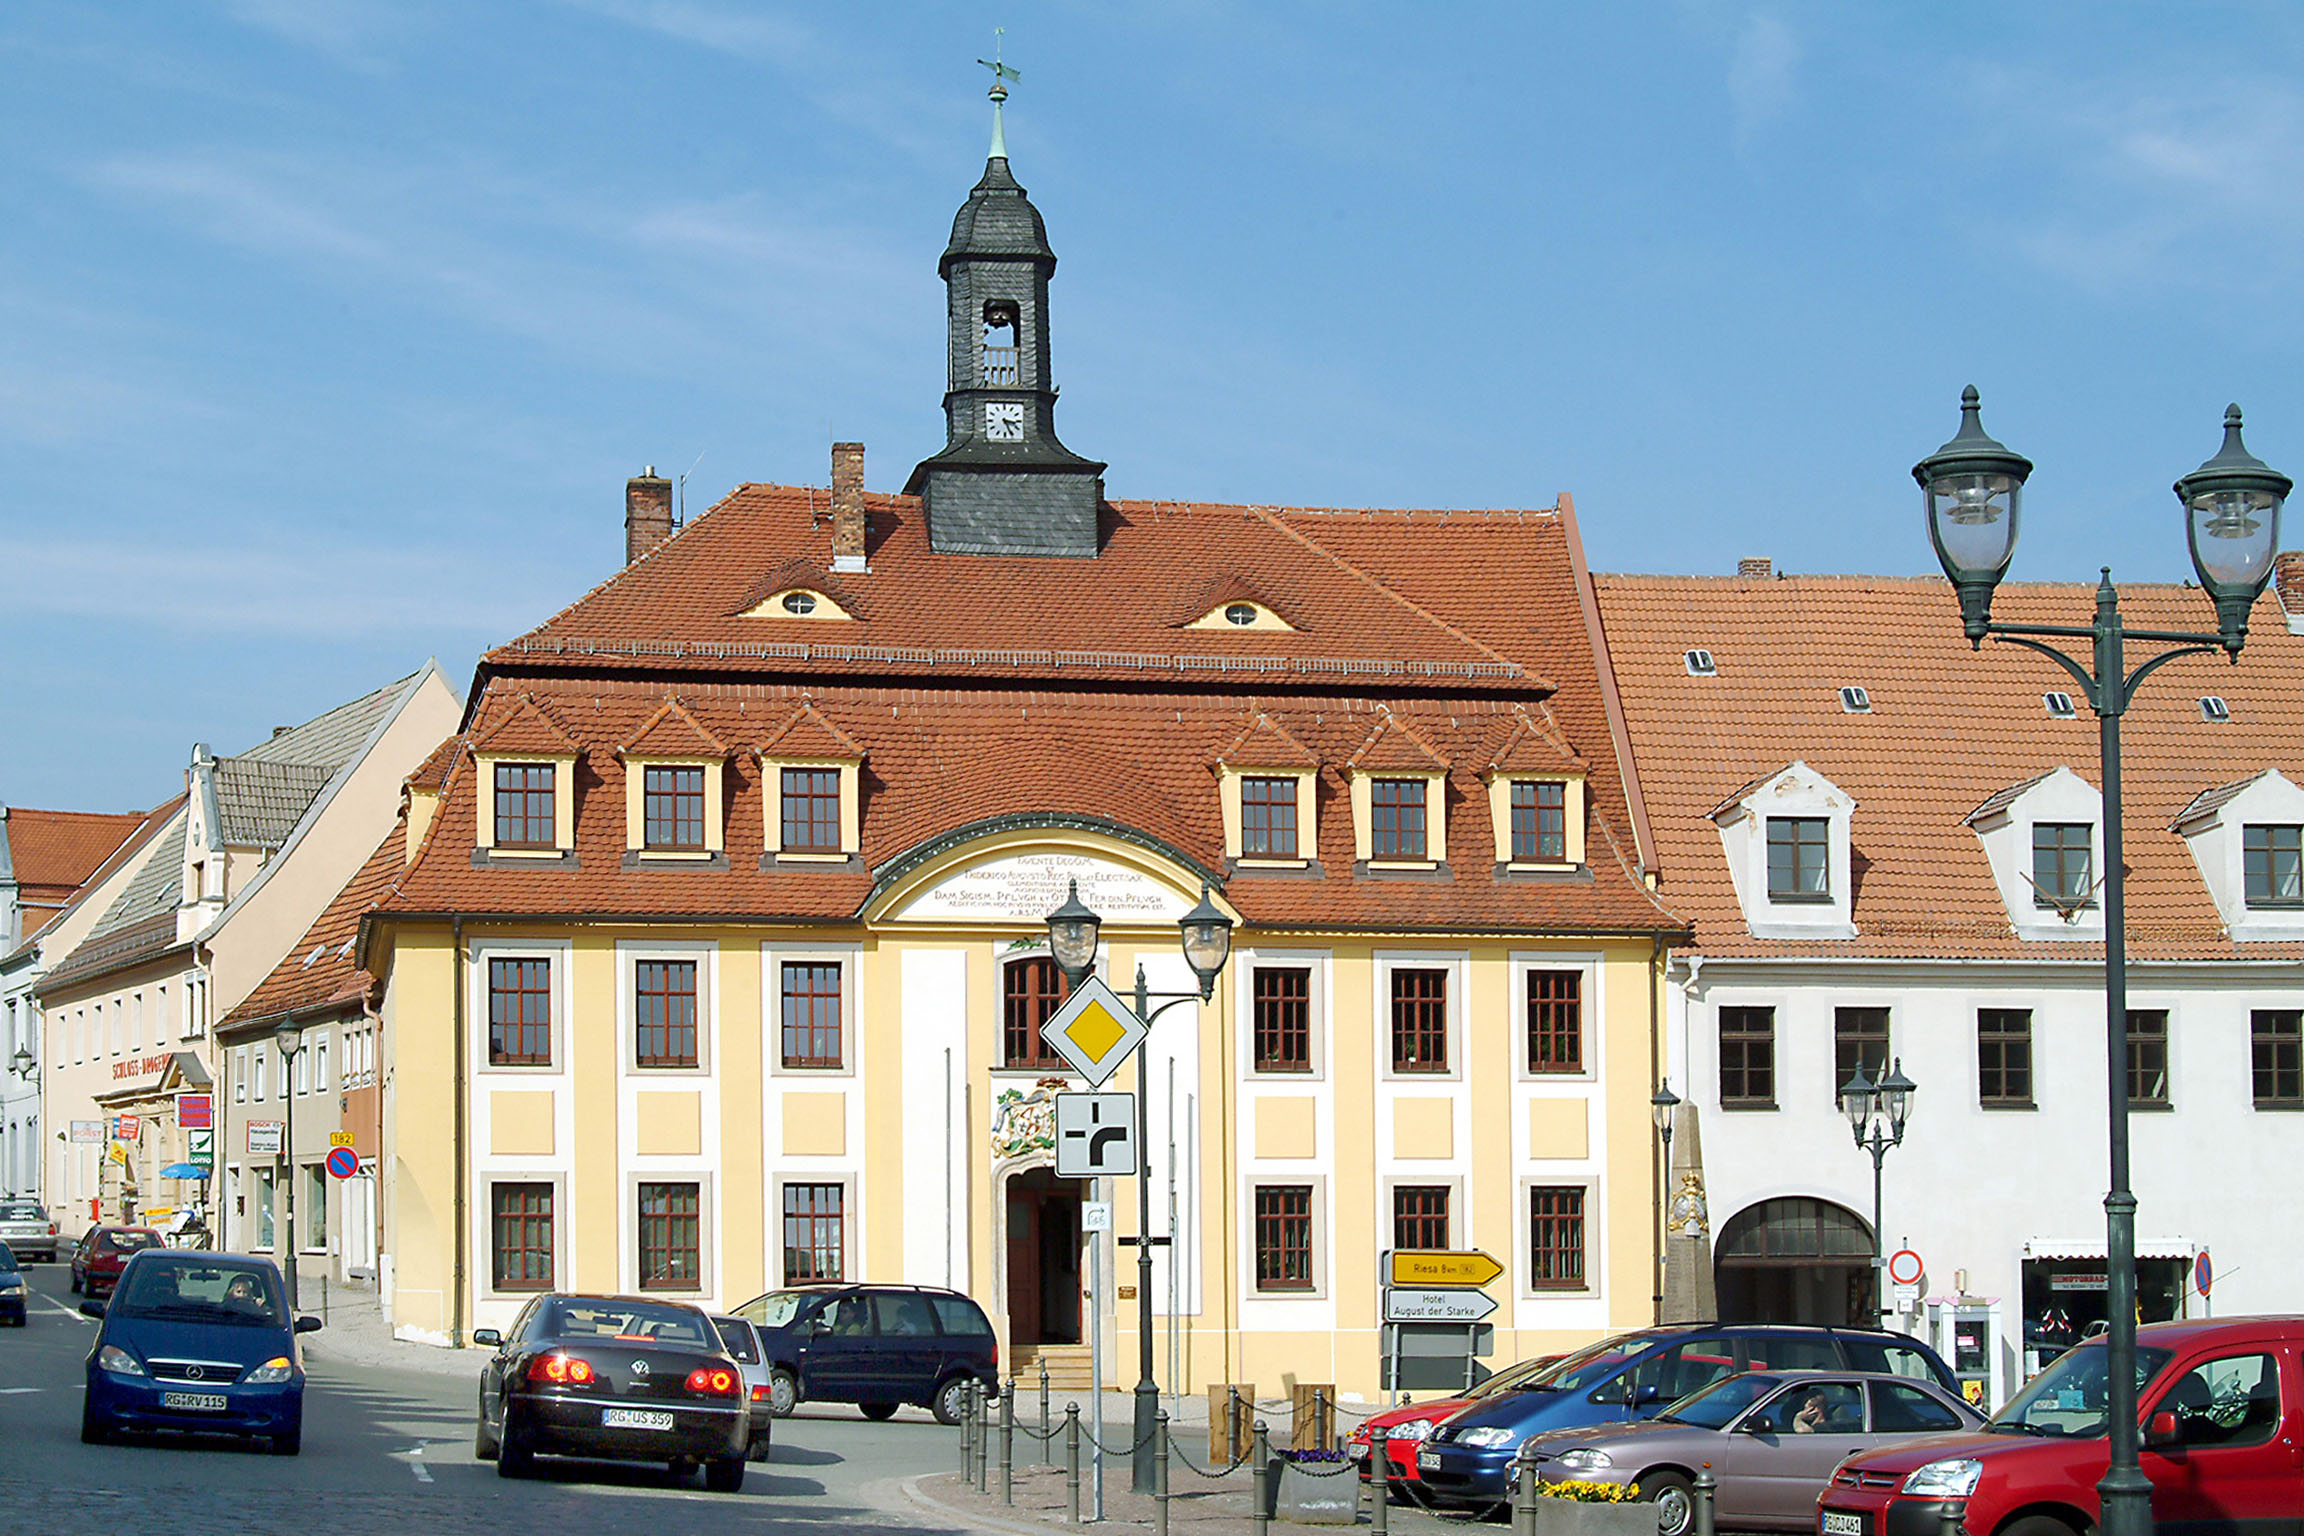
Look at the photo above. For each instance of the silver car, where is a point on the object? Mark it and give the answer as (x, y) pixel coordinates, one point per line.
(1771, 1438)
(743, 1346)
(26, 1229)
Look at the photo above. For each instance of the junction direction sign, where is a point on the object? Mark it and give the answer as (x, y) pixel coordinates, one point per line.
(1419, 1306)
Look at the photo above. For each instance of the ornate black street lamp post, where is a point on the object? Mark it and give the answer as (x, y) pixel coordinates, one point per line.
(1876, 1114)
(1660, 1106)
(2232, 524)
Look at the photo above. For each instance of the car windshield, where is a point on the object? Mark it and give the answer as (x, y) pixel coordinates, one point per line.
(1713, 1406)
(736, 1338)
(776, 1309)
(628, 1322)
(129, 1242)
(192, 1291)
(1591, 1366)
(1510, 1379)
(22, 1210)
(7, 1260)
(2067, 1399)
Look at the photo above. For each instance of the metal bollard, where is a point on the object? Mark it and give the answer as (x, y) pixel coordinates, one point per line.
(1072, 1460)
(967, 1428)
(1318, 1438)
(1701, 1525)
(1160, 1472)
(983, 1439)
(1524, 1491)
(1232, 1425)
(1008, 1443)
(1040, 1456)
(1379, 1481)
(1260, 1481)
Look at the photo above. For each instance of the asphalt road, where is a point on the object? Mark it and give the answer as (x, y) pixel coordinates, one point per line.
(390, 1452)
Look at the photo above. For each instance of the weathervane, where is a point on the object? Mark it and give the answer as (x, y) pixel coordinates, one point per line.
(1001, 75)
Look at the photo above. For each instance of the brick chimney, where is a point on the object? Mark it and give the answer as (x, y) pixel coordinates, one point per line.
(848, 507)
(647, 513)
(1755, 568)
(2288, 584)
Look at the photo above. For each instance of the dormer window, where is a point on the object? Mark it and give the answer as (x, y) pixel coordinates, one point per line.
(1396, 818)
(810, 802)
(810, 775)
(673, 809)
(2214, 710)
(1539, 821)
(1799, 858)
(2272, 861)
(1699, 663)
(525, 815)
(799, 604)
(2058, 705)
(2039, 838)
(1789, 842)
(1268, 816)
(1240, 615)
(2063, 864)
(674, 772)
(1855, 701)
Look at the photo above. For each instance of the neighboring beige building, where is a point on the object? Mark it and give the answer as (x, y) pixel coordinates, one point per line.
(259, 846)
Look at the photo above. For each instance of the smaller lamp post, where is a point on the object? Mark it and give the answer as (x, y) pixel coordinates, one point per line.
(290, 1039)
(22, 1063)
(1876, 1113)
(1660, 1107)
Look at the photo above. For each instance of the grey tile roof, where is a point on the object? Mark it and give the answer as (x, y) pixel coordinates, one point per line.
(335, 738)
(259, 802)
(2213, 799)
(154, 890)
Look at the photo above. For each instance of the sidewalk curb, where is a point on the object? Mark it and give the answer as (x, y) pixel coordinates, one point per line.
(969, 1519)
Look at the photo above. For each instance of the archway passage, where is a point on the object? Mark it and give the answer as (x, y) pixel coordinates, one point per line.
(1043, 1258)
(1796, 1260)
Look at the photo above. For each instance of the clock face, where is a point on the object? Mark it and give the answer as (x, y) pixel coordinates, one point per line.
(1004, 421)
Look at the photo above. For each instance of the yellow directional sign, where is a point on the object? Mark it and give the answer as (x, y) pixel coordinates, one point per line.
(341, 1139)
(1094, 1031)
(1434, 1267)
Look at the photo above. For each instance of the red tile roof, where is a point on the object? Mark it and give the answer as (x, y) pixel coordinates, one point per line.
(520, 724)
(673, 732)
(1950, 729)
(805, 733)
(1395, 745)
(53, 852)
(319, 973)
(1534, 745)
(145, 828)
(1263, 744)
(433, 771)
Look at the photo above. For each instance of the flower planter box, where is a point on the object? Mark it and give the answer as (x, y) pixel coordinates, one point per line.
(1570, 1517)
(1304, 1496)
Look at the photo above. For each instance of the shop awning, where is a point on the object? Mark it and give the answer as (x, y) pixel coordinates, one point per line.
(2093, 1248)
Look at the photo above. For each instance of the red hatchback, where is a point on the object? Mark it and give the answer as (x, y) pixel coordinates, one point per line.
(2221, 1406)
(103, 1252)
(1411, 1425)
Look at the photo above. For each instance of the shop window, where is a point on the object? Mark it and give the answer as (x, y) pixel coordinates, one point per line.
(2004, 1058)
(1747, 1058)
(2148, 1058)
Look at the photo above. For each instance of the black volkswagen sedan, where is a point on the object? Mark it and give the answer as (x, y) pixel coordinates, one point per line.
(615, 1378)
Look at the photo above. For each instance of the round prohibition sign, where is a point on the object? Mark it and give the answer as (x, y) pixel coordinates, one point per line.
(343, 1162)
(1904, 1267)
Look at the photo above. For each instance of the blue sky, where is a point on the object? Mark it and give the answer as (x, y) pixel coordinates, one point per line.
(330, 329)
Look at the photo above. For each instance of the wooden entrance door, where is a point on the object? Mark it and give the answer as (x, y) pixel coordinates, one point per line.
(1043, 1258)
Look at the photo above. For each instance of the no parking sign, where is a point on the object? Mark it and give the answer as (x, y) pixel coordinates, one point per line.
(343, 1162)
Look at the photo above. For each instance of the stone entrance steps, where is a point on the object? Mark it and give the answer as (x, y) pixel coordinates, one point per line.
(1067, 1368)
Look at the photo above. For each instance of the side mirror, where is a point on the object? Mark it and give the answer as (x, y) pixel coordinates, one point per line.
(307, 1325)
(1758, 1424)
(92, 1309)
(819, 1324)
(1642, 1395)
(2161, 1429)
(488, 1336)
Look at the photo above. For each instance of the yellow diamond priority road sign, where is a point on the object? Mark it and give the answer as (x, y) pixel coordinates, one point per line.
(1430, 1267)
(1094, 1031)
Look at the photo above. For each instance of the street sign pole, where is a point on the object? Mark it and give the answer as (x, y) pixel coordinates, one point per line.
(1096, 1360)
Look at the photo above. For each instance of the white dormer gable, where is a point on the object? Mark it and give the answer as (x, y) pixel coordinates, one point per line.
(2221, 825)
(1807, 899)
(2006, 824)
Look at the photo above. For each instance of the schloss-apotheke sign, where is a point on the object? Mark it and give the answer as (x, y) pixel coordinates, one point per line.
(1024, 888)
(139, 1066)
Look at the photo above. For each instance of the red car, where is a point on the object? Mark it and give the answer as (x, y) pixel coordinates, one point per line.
(1411, 1425)
(2221, 1406)
(103, 1252)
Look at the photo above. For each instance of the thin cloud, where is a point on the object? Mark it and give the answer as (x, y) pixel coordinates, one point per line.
(745, 34)
(1762, 73)
(351, 32)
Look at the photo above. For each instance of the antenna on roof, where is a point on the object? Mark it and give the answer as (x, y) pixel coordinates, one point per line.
(680, 512)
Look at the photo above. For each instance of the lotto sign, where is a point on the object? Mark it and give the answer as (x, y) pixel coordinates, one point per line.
(1094, 1031)
(343, 1162)
(200, 1148)
(196, 1111)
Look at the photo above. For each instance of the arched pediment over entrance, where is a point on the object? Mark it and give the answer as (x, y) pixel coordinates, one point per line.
(1012, 871)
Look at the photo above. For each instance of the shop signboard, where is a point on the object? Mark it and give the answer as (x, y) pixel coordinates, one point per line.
(196, 1111)
(264, 1138)
(2077, 1282)
(88, 1130)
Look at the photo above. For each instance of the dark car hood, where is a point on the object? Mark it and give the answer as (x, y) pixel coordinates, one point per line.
(167, 1339)
(1534, 1406)
(1910, 1455)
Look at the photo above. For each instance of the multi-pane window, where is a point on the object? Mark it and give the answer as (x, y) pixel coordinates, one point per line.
(2062, 863)
(812, 1014)
(1284, 1237)
(1268, 817)
(671, 1234)
(1799, 858)
(2276, 1051)
(1859, 1040)
(520, 1219)
(1556, 1237)
(2272, 859)
(672, 807)
(519, 1013)
(810, 798)
(1034, 989)
(1419, 1020)
(813, 1239)
(1396, 818)
(2004, 1057)
(1283, 1008)
(1539, 821)
(1420, 1216)
(2148, 1058)
(524, 816)
(1748, 1058)
(1555, 1021)
(664, 1013)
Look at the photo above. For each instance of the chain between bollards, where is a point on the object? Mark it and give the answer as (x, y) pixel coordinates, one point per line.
(1260, 1481)
(1008, 1443)
(1379, 1481)
(1524, 1491)
(1700, 1522)
(1160, 1472)
(1072, 1460)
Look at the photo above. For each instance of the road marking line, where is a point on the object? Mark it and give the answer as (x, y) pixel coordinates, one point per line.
(423, 1472)
(12, 1391)
(57, 1306)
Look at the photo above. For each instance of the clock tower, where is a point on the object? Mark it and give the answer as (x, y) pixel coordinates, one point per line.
(1003, 485)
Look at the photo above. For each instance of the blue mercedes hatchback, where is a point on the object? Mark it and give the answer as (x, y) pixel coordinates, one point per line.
(199, 1343)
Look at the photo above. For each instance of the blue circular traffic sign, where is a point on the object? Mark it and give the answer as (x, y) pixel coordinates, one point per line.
(2203, 1273)
(343, 1162)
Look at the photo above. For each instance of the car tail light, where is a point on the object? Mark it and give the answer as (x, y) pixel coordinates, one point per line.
(760, 1394)
(713, 1380)
(561, 1370)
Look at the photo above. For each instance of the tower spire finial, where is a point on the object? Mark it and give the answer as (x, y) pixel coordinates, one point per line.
(1001, 75)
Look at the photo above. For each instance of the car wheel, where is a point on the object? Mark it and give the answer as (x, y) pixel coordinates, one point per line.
(513, 1456)
(484, 1441)
(783, 1392)
(878, 1412)
(950, 1404)
(756, 1449)
(1675, 1501)
(724, 1474)
(94, 1428)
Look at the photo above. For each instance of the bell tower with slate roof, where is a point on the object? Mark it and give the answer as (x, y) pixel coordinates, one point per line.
(1003, 485)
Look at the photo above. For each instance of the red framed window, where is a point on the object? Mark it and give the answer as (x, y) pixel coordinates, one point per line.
(524, 813)
(1396, 818)
(1034, 989)
(1420, 1216)
(672, 807)
(521, 1217)
(1268, 817)
(1556, 1237)
(519, 1013)
(811, 815)
(814, 1227)
(1539, 821)
(671, 1237)
(1283, 1010)
(664, 1011)
(812, 1014)
(1284, 1237)
(1419, 1020)
(1555, 1021)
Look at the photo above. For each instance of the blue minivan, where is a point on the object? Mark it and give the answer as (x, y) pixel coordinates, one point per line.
(877, 1346)
(1468, 1460)
(200, 1343)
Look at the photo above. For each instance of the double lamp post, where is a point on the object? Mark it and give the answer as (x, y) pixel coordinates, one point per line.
(2231, 503)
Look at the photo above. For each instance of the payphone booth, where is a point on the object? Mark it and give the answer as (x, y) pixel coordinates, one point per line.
(1966, 1331)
